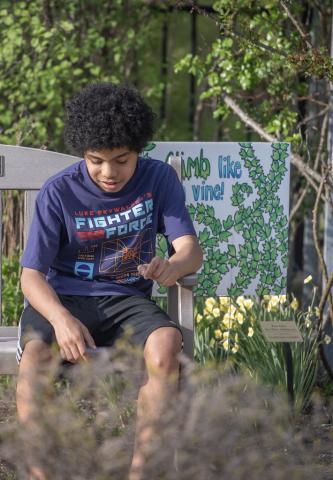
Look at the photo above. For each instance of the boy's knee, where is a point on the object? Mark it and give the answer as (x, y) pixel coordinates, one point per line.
(38, 351)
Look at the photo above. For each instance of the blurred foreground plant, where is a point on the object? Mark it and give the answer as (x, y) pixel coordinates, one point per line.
(229, 328)
(219, 426)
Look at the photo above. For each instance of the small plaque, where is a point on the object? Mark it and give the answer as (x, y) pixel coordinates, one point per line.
(281, 331)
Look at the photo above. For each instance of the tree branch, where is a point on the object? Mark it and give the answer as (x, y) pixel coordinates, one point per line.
(250, 37)
(247, 119)
(329, 282)
(298, 203)
(315, 166)
(296, 159)
(296, 25)
(313, 117)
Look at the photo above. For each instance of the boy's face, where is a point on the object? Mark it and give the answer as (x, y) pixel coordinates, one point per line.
(112, 168)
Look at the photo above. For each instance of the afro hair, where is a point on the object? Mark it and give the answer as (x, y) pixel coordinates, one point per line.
(104, 115)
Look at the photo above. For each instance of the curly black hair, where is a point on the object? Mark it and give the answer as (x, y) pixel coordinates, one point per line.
(105, 115)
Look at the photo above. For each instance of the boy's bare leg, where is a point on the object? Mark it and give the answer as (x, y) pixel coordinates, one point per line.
(160, 353)
(32, 377)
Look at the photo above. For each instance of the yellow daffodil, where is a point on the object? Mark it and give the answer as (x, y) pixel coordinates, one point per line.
(294, 304)
(224, 300)
(226, 344)
(199, 318)
(308, 279)
(273, 304)
(218, 333)
(226, 335)
(216, 312)
(232, 310)
(239, 317)
(250, 332)
(282, 299)
(240, 300)
(240, 303)
(210, 304)
(228, 320)
(235, 348)
(274, 300)
(207, 314)
(248, 303)
(267, 298)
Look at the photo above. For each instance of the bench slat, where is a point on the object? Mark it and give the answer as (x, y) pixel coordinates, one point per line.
(27, 168)
(8, 332)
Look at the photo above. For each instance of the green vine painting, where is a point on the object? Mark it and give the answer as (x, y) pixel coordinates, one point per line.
(251, 244)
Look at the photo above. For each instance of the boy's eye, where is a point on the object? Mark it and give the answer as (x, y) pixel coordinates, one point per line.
(99, 162)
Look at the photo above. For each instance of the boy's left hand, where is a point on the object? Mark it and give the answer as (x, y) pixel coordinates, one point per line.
(161, 270)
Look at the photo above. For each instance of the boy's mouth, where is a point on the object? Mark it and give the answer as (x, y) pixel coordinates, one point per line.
(110, 185)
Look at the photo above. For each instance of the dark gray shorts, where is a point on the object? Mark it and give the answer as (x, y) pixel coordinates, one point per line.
(107, 318)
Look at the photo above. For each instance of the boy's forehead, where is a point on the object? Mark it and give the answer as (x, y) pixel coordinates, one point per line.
(108, 153)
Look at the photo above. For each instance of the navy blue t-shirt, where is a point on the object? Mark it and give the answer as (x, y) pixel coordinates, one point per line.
(90, 242)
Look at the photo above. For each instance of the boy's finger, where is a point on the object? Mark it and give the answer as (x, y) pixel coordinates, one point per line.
(163, 277)
(81, 348)
(76, 352)
(67, 354)
(88, 338)
(161, 271)
(153, 266)
(142, 268)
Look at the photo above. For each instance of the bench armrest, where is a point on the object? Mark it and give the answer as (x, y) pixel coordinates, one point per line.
(181, 309)
(190, 280)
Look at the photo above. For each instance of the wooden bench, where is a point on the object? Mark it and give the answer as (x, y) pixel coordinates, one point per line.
(23, 168)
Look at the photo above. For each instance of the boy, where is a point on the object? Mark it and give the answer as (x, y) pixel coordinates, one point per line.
(89, 262)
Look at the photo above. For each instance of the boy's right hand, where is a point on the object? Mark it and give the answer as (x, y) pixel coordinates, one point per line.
(72, 337)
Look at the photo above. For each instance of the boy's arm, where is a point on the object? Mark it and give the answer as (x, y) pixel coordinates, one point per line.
(188, 255)
(70, 333)
(186, 259)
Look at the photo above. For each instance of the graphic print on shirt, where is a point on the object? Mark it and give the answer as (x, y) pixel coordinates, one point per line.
(121, 257)
(84, 266)
(115, 241)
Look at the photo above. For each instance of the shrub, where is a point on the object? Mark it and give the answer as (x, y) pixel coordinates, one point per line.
(219, 426)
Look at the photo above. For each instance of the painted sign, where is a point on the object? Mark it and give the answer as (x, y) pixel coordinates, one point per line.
(238, 197)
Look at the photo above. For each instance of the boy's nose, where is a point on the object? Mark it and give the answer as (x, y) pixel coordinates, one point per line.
(109, 172)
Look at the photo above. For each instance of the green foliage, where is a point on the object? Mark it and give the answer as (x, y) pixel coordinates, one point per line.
(12, 298)
(266, 361)
(161, 251)
(229, 329)
(259, 59)
(50, 51)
